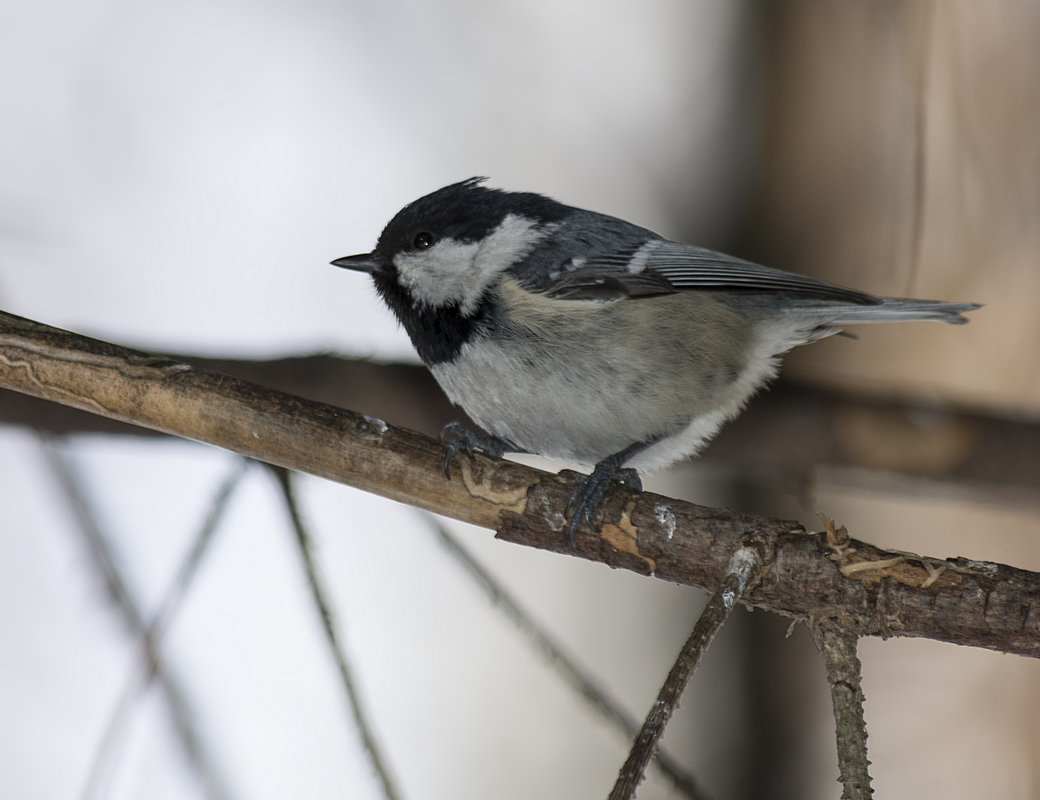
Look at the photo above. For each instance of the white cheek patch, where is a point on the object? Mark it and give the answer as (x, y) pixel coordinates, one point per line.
(440, 274)
(460, 272)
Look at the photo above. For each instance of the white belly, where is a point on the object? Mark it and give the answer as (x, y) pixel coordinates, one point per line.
(576, 382)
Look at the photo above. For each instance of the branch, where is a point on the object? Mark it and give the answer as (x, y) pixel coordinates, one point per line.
(556, 656)
(150, 633)
(844, 676)
(854, 586)
(790, 431)
(745, 570)
(321, 597)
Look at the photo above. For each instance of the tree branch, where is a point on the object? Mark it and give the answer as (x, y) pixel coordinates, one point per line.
(149, 632)
(557, 658)
(788, 431)
(852, 585)
(322, 602)
(838, 649)
(745, 570)
(787, 434)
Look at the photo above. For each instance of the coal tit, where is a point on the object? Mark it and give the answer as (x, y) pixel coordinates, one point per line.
(577, 335)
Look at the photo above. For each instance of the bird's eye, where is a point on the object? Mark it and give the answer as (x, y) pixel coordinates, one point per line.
(422, 240)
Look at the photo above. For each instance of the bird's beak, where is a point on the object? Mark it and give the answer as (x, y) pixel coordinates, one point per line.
(363, 262)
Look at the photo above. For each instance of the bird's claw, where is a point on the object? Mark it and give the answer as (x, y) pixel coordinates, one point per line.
(455, 437)
(586, 496)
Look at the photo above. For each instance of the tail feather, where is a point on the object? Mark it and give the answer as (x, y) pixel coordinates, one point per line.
(887, 310)
(902, 309)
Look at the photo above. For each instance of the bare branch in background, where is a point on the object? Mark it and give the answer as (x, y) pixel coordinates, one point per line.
(149, 634)
(566, 667)
(857, 587)
(322, 603)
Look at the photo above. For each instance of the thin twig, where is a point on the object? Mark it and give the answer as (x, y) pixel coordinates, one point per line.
(149, 634)
(565, 666)
(743, 573)
(189, 567)
(845, 678)
(115, 730)
(346, 672)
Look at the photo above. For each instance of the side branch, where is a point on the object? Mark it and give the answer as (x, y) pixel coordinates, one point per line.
(844, 676)
(854, 586)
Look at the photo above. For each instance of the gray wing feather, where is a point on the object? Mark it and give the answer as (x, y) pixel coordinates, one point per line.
(663, 267)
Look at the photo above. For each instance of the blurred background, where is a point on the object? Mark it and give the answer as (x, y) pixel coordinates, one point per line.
(176, 177)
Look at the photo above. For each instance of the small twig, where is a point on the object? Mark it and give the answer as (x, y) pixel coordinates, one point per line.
(844, 676)
(743, 573)
(156, 631)
(346, 672)
(564, 665)
(182, 581)
(149, 634)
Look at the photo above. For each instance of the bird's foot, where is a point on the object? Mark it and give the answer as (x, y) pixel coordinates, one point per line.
(586, 497)
(455, 437)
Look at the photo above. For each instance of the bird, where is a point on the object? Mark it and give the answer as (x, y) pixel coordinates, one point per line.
(577, 335)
